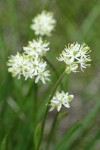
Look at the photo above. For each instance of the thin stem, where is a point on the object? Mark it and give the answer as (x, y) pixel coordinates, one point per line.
(47, 108)
(52, 130)
(53, 126)
(35, 103)
(53, 68)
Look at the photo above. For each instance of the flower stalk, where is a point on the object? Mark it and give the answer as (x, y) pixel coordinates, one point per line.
(52, 130)
(53, 69)
(47, 108)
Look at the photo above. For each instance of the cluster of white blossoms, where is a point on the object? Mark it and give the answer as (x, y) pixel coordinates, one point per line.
(75, 56)
(43, 24)
(36, 48)
(29, 63)
(60, 99)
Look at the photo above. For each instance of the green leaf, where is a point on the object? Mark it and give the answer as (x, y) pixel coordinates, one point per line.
(93, 141)
(75, 132)
(89, 118)
(37, 135)
(3, 143)
(67, 138)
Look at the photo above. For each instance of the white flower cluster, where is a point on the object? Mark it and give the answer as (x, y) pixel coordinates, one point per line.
(29, 63)
(75, 55)
(36, 48)
(43, 24)
(60, 99)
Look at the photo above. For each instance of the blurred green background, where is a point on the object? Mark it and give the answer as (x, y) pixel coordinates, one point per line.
(76, 21)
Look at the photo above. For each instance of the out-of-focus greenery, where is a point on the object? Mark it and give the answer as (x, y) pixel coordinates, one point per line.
(76, 21)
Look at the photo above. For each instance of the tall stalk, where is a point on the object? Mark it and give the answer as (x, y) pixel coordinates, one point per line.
(47, 108)
(52, 130)
(35, 110)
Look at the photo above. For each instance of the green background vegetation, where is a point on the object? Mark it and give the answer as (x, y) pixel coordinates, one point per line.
(77, 20)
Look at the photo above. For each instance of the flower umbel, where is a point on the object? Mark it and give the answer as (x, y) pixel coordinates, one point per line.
(36, 48)
(43, 24)
(29, 64)
(28, 67)
(75, 55)
(60, 99)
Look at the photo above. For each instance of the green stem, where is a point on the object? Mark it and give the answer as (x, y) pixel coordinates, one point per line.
(35, 103)
(47, 108)
(52, 130)
(54, 69)
(53, 126)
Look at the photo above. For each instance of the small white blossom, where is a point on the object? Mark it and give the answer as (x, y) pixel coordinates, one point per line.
(15, 64)
(71, 68)
(75, 55)
(43, 76)
(29, 67)
(60, 99)
(42, 73)
(36, 48)
(43, 24)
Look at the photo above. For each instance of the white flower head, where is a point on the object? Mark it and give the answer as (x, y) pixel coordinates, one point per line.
(42, 73)
(36, 48)
(35, 68)
(19, 65)
(43, 23)
(15, 64)
(75, 55)
(60, 99)
(22, 64)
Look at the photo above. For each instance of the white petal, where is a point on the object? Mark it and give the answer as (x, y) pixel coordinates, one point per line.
(59, 107)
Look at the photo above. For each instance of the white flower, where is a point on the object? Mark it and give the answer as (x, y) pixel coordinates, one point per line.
(36, 48)
(43, 23)
(60, 99)
(15, 64)
(71, 68)
(42, 73)
(36, 68)
(19, 65)
(29, 67)
(75, 55)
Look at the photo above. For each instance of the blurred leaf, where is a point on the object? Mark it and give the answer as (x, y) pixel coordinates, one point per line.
(93, 141)
(67, 137)
(89, 118)
(75, 132)
(3, 143)
(86, 126)
(37, 135)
